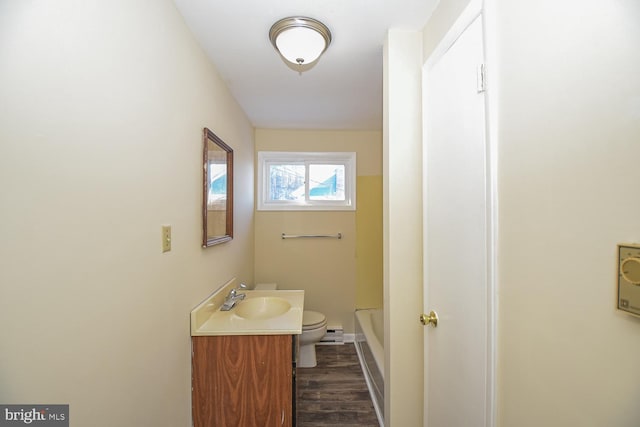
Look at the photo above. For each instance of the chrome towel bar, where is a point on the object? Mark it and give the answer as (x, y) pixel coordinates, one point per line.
(312, 236)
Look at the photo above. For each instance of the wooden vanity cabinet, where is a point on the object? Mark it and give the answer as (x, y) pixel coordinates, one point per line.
(243, 381)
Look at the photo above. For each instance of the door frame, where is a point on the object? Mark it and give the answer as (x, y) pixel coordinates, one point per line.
(482, 9)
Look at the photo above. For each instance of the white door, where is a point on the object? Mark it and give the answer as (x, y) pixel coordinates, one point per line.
(456, 225)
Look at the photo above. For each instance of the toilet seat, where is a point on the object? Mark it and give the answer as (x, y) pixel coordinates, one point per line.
(312, 320)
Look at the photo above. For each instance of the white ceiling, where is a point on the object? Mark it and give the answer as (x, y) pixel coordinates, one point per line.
(344, 89)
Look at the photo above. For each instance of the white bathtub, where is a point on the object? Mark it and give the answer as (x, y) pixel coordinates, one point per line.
(370, 348)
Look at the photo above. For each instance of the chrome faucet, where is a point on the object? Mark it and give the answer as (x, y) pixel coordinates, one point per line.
(233, 297)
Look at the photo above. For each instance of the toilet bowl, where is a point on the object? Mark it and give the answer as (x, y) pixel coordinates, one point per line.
(314, 327)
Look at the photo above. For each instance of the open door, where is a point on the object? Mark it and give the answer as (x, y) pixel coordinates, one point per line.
(457, 226)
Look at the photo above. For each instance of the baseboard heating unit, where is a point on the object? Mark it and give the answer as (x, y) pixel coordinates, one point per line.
(334, 335)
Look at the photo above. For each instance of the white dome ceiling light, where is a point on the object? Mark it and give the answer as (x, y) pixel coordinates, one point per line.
(300, 40)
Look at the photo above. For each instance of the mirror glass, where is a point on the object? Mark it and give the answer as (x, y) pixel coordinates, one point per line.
(217, 204)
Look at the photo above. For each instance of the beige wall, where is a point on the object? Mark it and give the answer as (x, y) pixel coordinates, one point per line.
(103, 105)
(327, 270)
(402, 193)
(569, 144)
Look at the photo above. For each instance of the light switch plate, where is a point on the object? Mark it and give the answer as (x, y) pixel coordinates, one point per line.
(166, 238)
(629, 278)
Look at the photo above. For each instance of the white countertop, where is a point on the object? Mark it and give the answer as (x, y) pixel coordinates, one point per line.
(208, 320)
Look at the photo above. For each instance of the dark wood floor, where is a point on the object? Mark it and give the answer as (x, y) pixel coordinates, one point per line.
(334, 393)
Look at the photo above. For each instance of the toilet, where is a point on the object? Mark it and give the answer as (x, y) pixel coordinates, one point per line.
(314, 327)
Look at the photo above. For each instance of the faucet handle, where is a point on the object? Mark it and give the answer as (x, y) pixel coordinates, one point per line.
(233, 293)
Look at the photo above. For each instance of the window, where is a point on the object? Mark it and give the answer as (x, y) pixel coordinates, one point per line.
(306, 181)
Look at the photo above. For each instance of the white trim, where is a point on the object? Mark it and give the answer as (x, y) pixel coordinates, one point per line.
(491, 128)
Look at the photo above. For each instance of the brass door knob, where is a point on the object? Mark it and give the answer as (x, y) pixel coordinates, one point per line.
(429, 319)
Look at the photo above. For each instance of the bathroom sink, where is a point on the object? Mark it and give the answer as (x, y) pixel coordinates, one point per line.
(261, 308)
(261, 312)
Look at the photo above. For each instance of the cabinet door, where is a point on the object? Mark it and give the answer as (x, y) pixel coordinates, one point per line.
(242, 381)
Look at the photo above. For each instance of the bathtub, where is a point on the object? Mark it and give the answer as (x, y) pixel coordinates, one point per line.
(369, 341)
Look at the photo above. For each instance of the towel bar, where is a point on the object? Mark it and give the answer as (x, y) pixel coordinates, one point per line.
(313, 236)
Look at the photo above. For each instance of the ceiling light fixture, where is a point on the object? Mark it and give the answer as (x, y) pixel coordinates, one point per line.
(300, 40)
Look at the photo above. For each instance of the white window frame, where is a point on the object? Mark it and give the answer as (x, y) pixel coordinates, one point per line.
(266, 158)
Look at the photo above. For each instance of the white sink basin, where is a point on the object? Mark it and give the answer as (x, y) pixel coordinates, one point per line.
(261, 308)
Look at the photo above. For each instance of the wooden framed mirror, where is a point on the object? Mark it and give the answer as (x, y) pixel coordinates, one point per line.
(217, 195)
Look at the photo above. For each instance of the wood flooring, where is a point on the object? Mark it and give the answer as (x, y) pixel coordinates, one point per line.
(334, 393)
